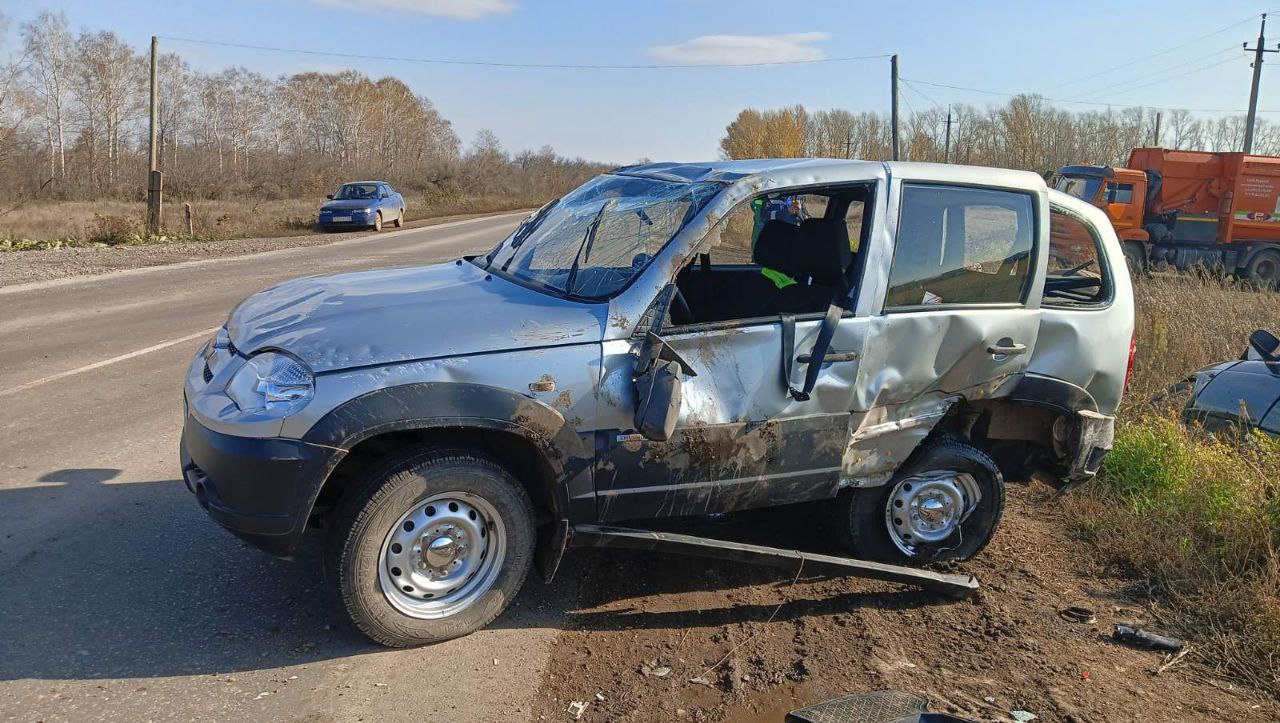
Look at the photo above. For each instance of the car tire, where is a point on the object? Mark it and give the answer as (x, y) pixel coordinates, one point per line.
(1135, 257)
(1264, 269)
(399, 219)
(432, 548)
(939, 482)
(377, 221)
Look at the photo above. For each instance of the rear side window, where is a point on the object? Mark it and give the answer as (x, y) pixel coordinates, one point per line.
(1076, 274)
(961, 246)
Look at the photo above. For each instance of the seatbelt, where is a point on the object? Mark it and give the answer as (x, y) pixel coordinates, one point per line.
(820, 348)
(789, 354)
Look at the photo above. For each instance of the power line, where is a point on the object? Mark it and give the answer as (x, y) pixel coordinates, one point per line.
(1108, 104)
(1193, 71)
(1166, 51)
(921, 93)
(1234, 49)
(496, 64)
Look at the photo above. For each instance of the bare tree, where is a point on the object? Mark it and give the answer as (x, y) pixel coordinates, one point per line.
(49, 50)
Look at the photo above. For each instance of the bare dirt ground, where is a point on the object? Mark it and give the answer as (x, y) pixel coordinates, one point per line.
(765, 645)
(20, 267)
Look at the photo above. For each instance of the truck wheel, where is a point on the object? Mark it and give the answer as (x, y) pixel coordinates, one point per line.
(1264, 268)
(1135, 258)
(433, 548)
(943, 504)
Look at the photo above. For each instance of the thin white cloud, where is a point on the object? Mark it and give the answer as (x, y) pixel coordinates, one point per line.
(736, 49)
(456, 9)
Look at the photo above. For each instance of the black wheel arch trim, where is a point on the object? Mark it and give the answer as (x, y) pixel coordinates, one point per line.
(442, 405)
(1053, 393)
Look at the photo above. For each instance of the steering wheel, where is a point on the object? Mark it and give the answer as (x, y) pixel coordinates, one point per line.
(680, 307)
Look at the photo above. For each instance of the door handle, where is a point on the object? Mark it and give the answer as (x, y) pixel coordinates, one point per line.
(832, 356)
(1010, 349)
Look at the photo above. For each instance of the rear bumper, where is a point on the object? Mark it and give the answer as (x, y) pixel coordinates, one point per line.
(260, 489)
(1084, 446)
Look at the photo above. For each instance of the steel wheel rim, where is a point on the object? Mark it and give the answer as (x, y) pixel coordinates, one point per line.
(442, 555)
(929, 508)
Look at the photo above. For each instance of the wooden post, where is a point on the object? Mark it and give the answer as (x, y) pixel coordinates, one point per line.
(154, 182)
(186, 212)
(893, 106)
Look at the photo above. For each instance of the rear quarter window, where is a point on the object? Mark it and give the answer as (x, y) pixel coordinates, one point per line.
(1077, 274)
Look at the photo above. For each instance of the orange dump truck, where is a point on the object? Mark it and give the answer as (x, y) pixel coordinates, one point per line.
(1190, 208)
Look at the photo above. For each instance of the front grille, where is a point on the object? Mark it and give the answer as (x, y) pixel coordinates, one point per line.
(231, 348)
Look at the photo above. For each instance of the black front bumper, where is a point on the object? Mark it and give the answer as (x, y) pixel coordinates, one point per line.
(260, 489)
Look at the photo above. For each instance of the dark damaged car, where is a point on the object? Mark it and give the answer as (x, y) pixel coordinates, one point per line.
(1240, 395)
(894, 339)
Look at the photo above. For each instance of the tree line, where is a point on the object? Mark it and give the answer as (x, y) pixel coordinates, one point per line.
(1027, 132)
(74, 125)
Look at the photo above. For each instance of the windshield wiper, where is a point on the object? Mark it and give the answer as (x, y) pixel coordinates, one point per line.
(587, 240)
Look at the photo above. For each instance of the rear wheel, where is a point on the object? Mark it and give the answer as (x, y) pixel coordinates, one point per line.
(399, 219)
(1264, 268)
(944, 504)
(433, 549)
(1135, 258)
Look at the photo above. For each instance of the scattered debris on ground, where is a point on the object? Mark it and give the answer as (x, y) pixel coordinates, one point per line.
(743, 644)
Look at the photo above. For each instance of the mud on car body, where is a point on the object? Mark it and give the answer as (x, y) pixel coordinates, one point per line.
(900, 342)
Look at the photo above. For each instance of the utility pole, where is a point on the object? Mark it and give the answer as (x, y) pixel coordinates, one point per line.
(848, 144)
(1257, 78)
(154, 182)
(946, 152)
(1157, 133)
(893, 111)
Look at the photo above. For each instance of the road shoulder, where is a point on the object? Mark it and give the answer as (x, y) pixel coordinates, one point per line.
(23, 268)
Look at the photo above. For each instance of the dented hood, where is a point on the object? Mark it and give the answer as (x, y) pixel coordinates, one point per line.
(371, 318)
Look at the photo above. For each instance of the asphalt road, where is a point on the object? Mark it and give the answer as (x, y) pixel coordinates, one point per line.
(119, 599)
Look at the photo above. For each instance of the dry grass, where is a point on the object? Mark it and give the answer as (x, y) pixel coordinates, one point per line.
(73, 223)
(1195, 516)
(1189, 321)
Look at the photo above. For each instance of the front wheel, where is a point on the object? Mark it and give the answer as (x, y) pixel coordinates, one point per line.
(943, 504)
(434, 549)
(377, 221)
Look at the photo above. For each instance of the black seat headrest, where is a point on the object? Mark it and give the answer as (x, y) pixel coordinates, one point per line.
(818, 248)
(775, 247)
(823, 253)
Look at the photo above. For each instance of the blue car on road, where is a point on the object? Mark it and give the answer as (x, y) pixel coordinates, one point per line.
(363, 204)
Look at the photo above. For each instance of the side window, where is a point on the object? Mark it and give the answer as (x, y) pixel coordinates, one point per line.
(961, 246)
(734, 238)
(1076, 274)
(1119, 193)
(777, 253)
(853, 222)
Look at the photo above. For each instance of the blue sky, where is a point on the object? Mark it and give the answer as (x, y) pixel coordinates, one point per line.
(1151, 53)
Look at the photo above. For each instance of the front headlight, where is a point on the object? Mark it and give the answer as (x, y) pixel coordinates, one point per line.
(272, 383)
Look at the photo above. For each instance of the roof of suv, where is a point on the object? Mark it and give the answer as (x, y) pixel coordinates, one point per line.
(788, 170)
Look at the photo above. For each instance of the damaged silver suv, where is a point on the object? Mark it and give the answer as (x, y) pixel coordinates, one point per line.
(895, 339)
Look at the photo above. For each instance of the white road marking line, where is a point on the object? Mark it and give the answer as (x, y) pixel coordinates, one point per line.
(107, 362)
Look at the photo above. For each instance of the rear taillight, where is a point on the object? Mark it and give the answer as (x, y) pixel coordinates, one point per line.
(1133, 353)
